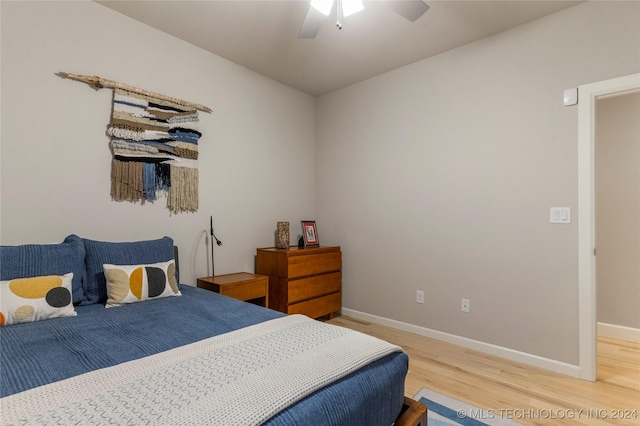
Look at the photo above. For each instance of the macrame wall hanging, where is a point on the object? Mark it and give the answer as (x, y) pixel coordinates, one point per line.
(154, 141)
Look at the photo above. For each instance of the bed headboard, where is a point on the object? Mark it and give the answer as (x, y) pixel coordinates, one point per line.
(175, 256)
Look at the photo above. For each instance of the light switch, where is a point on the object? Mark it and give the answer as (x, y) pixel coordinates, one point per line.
(560, 215)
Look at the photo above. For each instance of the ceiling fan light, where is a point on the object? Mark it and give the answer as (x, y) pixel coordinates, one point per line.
(349, 7)
(323, 6)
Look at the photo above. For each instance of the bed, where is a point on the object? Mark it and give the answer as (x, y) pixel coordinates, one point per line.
(199, 358)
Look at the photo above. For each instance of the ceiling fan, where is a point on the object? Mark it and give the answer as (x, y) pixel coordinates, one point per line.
(320, 9)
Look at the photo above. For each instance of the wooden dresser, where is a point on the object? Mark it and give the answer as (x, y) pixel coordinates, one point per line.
(303, 280)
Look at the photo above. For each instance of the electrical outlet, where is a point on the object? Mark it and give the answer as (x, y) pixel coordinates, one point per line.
(465, 305)
(419, 296)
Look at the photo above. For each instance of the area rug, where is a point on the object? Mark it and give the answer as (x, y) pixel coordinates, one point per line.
(444, 410)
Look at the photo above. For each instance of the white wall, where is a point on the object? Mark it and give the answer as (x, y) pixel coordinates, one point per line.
(55, 159)
(439, 177)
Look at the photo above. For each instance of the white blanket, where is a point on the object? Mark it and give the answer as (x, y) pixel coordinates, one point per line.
(239, 378)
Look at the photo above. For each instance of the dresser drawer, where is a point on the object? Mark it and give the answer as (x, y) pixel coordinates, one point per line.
(307, 288)
(300, 266)
(318, 307)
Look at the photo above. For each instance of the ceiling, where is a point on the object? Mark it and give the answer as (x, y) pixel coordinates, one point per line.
(263, 35)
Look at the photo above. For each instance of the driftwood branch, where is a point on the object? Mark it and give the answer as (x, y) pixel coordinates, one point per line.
(100, 83)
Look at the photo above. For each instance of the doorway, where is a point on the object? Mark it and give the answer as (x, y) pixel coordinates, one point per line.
(617, 177)
(588, 95)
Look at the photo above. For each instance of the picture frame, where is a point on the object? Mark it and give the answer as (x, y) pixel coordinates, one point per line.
(310, 233)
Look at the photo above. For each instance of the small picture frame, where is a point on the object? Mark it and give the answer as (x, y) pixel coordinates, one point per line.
(310, 233)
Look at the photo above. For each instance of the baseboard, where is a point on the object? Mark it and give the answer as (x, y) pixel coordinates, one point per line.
(619, 332)
(510, 354)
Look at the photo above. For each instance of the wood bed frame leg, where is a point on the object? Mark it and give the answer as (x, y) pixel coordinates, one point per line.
(413, 413)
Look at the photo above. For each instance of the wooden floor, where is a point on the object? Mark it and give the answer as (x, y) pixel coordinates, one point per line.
(525, 394)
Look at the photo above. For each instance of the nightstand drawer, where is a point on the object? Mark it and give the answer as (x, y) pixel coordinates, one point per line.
(307, 288)
(300, 266)
(319, 306)
(245, 291)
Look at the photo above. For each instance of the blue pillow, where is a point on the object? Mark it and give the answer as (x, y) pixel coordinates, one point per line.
(33, 260)
(123, 253)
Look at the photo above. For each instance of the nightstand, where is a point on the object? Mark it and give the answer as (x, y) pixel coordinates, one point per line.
(252, 288)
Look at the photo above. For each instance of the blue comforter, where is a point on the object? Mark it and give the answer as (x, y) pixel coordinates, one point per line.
(35, 354)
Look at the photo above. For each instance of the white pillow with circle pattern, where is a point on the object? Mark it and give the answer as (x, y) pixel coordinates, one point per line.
(136, 283)
(36, 299)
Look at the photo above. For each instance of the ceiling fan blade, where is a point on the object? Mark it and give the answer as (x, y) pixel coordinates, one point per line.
(409, 9)
(312, 23)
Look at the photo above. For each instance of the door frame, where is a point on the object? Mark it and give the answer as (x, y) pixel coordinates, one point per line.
(588, 94)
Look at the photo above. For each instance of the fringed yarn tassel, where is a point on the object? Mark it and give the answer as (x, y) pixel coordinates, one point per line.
(163, 177)
(183, 194)
(149, 182)
(126, 180)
